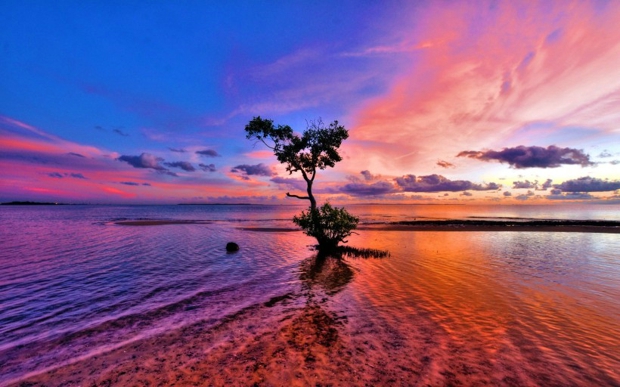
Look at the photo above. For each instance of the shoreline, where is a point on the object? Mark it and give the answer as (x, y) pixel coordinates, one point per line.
(583, 226)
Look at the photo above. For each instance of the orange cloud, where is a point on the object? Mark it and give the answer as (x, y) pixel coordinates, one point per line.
(489, 73)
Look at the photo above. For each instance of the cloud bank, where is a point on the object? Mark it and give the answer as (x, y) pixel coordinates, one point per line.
(184, 165)
(145, 160)
(208, 153)
(588, 184)
(521, 157)
(373, 189)
(253, 170)
(438, 183)
(207, 167)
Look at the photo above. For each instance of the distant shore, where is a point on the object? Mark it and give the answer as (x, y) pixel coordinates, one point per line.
(18, 203)
(558, 225)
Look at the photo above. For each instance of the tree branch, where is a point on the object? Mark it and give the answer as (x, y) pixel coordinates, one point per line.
(305, 175)
(297, 196)
(267, 145)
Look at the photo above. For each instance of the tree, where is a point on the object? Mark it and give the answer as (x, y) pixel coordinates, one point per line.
(316, 148)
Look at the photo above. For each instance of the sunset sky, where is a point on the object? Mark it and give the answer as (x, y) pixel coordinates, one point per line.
(460, 101)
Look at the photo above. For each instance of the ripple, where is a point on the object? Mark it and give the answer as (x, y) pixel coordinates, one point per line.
(524, 308)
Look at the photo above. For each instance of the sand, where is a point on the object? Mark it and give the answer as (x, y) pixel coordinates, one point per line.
(304, 339)
(291, 339)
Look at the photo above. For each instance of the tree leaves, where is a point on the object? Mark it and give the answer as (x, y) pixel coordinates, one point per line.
(316, 148)
(329, 225)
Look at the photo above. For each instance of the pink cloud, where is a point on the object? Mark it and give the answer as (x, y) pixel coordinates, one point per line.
(11, 121)
(119, 192)
(491, 71)
(260, 154)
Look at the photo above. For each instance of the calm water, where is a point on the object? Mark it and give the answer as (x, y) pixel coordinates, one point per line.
(541, 306)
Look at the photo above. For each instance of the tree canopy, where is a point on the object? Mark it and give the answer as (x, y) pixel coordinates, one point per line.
(316, 148)
(329, 225)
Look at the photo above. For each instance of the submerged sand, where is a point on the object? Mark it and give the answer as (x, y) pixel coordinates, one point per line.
(305, 339)
(447, 309)
(281, 342)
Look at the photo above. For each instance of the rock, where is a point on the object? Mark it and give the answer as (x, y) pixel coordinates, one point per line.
(232, 246)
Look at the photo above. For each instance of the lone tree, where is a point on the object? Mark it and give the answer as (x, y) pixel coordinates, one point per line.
(316, 148)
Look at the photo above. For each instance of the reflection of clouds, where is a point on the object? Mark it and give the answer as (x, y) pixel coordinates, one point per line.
(549, 255)
(475, 292)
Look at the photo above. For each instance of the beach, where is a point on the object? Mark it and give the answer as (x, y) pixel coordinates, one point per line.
(483, 307)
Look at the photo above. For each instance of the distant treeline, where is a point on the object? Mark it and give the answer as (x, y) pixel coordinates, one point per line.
(18, 203)
(215, 204)
(505, 223)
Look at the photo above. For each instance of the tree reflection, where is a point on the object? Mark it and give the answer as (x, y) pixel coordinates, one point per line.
(330, 272)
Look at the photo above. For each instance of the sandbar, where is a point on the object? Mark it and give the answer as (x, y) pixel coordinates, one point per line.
(582, 226)
(155, 222)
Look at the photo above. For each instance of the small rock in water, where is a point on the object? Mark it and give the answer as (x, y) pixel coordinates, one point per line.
(232, 246)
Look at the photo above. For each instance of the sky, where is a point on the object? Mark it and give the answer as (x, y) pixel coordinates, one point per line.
(502, 102)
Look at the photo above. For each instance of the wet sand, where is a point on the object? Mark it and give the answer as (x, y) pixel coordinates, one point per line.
(292, 339)
(277, 343)
(307, 339)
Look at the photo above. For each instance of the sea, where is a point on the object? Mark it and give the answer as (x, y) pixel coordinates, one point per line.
(513, 308)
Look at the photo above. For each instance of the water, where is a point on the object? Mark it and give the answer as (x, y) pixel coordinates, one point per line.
(455, 307)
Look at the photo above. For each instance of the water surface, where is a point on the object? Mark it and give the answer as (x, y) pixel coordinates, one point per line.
(467, 307)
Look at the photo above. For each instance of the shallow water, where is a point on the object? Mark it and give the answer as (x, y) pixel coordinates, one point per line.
(541, 306)
(465, 307)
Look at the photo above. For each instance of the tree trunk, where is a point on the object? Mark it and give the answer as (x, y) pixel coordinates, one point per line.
(310, 196)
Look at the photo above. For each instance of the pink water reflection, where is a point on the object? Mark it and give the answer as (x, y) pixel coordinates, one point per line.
(479, 308)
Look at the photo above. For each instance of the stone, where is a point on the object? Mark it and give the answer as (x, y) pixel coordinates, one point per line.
(231, 247)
